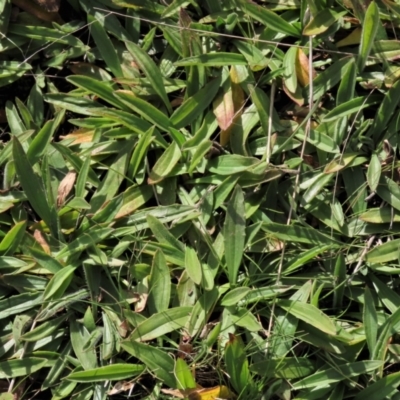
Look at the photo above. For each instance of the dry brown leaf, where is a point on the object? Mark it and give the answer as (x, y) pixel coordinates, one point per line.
(120, 387)
(49, 5)
(65, 187)
(46, 10)
(80, 136)
(38, 235)
(296, 97)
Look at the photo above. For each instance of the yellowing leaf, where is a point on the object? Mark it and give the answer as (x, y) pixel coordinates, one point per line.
(217, 392)
(302, 68)
(228, 106)
(353, 38)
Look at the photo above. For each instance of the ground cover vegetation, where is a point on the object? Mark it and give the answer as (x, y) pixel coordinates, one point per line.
(199, 199)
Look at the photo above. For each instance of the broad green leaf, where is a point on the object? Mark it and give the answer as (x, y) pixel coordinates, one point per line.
(352, 106)
(152, 72)
(145, 109)
(162, 323)
(231, 164)
(386, 330)
(192, 107)
(40, 143)
(159, 284)
(84, 241)
(322, 21)
(389, 191)
(234, 296)
(382, 389)
(234, 233)
(140, 152)
(370, 320)
(337, 374)
(330, 77)
(184, 377)
(12, 239)
(380, 215)
(162, 234)
(24, 367)
(387, 295)
(286, 368)
(213, 60)
(255, 58)
(237, 364)
(385, 252)
(289, 64)
(374, 172)
(165, 164)
(34, 188)
(105, 46)
(59, 283)
(310, 314)
(193, 266)
(269, 19)
(19, 303)
(369, 30)
(385, 112)
(156, 360)
(114, 372)
(43, 330)
(79, 335)
(104, 90)
(296, 233)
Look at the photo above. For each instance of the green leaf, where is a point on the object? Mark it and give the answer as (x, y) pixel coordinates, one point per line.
(159, 284)
(34, 188)
(231, 164)
(161, 323)
(105, 46)
(114, 372)
(237, 364)
(24, 367)
(337, 374)
(59, 283)
(165, 164)
(269, 19)
(184, 377)
(385, 252)
(374, 172)
(145, 109)
(382, 389)
(370, 28)
(79, 336)
(322, 21)
(12, 239)
(104, 90)
(151, 71)
(330, 77)
(234, 296)
(219, 59)
(385, 112)
(19, 303)
(158, 361)
(310, 314)
(352, 106)
(234, 233)
(193, 266)
(192, 107)
(370, 320)
(286, 368)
